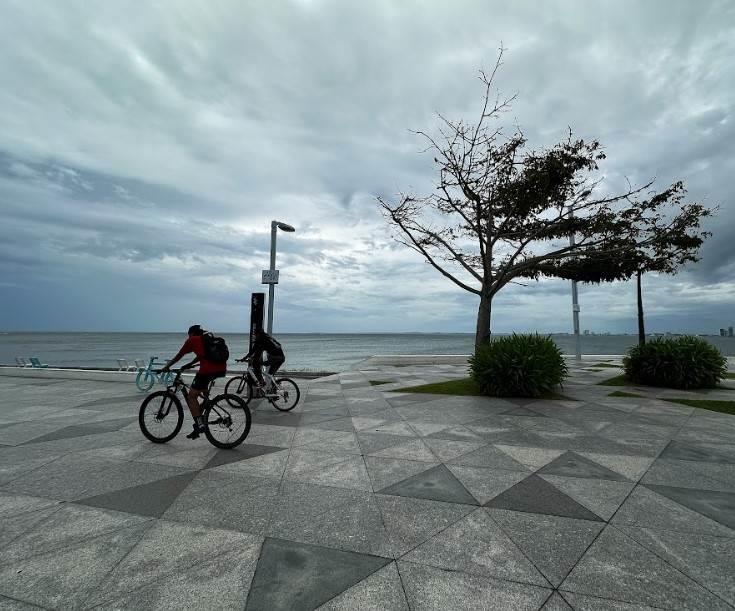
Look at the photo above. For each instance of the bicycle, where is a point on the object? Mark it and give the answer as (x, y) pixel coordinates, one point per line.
(228, 415)
(147, 377)
(284, 393)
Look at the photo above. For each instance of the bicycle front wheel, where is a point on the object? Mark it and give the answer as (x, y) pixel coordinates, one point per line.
(288, 395)
(239, 386)
(227, 421)
(161, 416)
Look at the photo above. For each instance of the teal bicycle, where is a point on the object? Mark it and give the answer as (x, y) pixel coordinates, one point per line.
(147, 377)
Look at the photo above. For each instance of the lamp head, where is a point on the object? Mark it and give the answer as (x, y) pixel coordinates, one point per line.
(284, 226)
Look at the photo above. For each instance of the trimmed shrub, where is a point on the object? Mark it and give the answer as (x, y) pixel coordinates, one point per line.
(686, 362)
(524, 365)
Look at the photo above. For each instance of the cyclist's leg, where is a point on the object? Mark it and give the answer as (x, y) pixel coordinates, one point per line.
(198, 387)
(274, 363)
(258, 369)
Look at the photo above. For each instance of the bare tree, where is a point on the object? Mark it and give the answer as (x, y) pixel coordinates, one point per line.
(500, 213)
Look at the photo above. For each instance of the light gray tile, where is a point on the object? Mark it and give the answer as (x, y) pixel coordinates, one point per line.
(435, 589)
(617, 567)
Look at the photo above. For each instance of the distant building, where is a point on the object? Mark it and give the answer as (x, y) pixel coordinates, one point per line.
(722, 332)
(587, 331)
(729, 331)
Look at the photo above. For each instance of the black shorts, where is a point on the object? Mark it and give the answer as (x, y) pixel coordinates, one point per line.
(202, 380)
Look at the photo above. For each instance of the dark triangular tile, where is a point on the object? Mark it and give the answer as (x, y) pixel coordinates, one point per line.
(534, 495)
(151, 499)
(436, 484)
(243, 452)
(679, 450)
(297, 576)
(571, 464)
(719, 506)
(82, 430)
(522, 411)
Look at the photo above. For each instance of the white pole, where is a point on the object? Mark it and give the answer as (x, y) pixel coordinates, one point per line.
(271, 287)
(575, 302)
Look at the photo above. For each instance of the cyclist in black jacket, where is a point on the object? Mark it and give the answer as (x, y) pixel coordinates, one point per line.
(265, 343)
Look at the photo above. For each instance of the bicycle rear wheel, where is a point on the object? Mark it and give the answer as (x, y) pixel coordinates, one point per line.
(227, 421)
(288, 395)
(161, 416)
(239, 386)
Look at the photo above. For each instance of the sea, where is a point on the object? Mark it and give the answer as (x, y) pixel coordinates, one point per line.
(331, 352)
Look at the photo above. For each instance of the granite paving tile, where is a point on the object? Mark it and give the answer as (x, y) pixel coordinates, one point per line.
(410, 521)
(384, 472)
(554, 544)
(221, 583)
(690, 474)
(415, 449)
(535, 495)
(714, 453)
(571, 464)
(168, 550)
(271, 465)
(476, 544)
(617, 567)
(436, 484)
(556, 603)
(704, 558)
(62, 578)
(488, 456)
(716, 505)
(485, 483)
(602, 497)
(226, 500)
(350, 473)
(648, 509)
(381, 591)
(436, 589)
(297, 576)
(532, 458)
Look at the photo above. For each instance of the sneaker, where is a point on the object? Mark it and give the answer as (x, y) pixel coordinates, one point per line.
(195, 433)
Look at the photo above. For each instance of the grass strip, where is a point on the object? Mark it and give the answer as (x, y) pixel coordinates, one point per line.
(620, 393)
(620, 380)
(724, 407)
(379, 382)
(610, 365)
(465, 387)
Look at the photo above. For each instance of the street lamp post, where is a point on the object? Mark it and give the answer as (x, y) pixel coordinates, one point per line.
(270, 276)
(575, 302)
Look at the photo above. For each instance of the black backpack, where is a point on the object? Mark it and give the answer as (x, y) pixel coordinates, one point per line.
(215, 348)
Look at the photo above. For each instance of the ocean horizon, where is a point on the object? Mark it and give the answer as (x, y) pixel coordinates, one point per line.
(304, 351)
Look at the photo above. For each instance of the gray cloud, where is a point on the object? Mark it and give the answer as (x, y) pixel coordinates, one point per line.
(144, 150)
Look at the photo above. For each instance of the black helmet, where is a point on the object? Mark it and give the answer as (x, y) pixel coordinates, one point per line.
(196, 330)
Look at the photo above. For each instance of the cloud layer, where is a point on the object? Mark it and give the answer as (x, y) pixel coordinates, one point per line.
(144, 149)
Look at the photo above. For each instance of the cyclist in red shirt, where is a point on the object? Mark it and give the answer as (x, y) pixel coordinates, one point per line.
(208, 371)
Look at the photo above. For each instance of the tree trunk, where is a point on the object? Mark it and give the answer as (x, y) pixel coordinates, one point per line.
(482, 334)
(641, 328)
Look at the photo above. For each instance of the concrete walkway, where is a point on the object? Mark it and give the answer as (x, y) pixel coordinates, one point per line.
(363, 498)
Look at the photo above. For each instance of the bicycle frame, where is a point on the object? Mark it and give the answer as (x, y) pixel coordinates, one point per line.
(149, 371)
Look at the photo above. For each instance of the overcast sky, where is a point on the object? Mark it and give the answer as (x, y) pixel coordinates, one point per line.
(145, 147)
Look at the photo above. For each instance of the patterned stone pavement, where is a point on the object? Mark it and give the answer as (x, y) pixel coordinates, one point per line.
(364, 498)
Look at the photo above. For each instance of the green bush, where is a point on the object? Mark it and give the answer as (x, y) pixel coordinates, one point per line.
(518, 366)
(682, 362)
